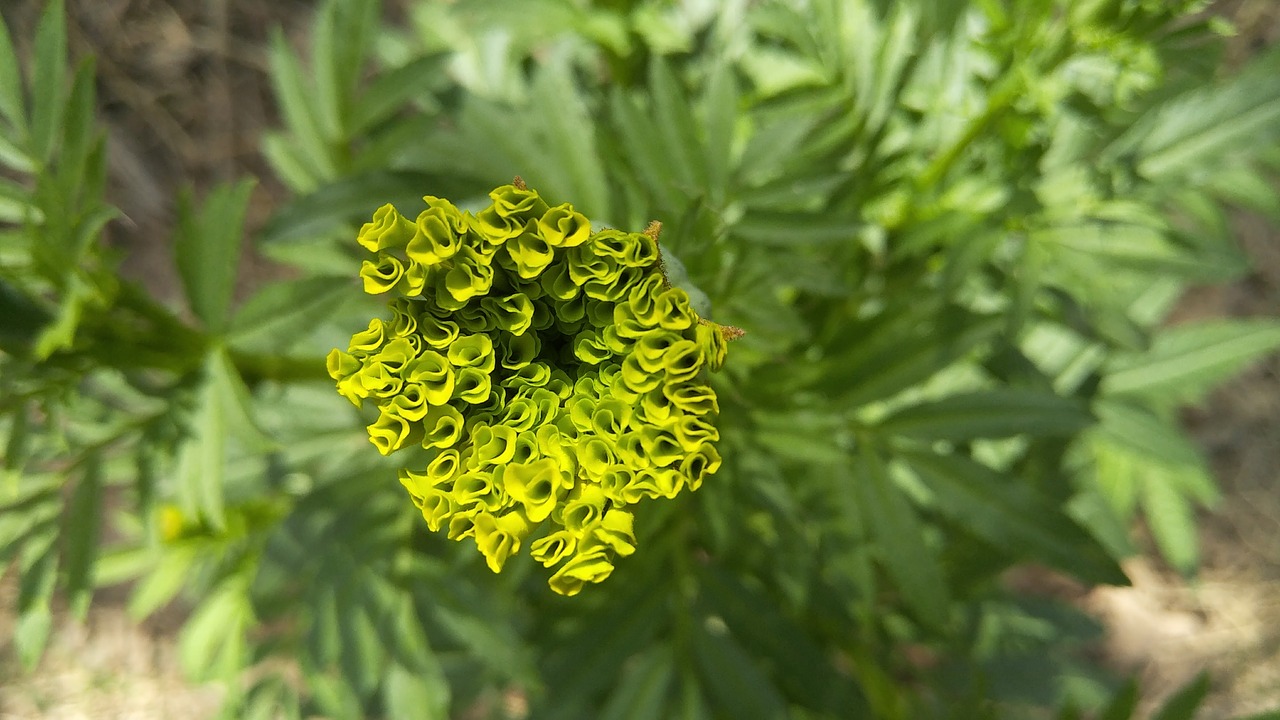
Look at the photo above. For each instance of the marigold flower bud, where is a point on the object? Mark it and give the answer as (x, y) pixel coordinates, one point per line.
(551, 373)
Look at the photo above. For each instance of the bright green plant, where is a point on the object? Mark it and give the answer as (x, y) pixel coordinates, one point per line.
(951, 231)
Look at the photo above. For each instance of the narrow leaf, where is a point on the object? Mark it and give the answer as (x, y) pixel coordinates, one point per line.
(899, 533)
(80, 536)
(733, 682)
(996, 413)
(644, 691)
(49, 81)
(11, 103)
(409, 694)
(1012, 517)
(284, 312)
(1123, 704)
(207, 250)
(1172, 522)
(301, 116)
(1186, 701)
(1188, 359)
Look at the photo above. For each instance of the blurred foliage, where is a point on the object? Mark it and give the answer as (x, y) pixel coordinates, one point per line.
(950, 229)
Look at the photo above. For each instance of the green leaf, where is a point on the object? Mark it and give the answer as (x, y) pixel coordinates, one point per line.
(735, 685)
(721, 113)
(284, 312)
(31, 634)
(570, 141)
(24, 320)
(392, 90)
(1123, 704)
(11, 103)
(900, 538)
(789, 229)
(353, 199)
(1171, 519)
(60, 334)
(1137, 428)
(329, 91)
(171, 572)
(207, 250)
(222, 409)
(1012, 517)
(800, 664)
(638, 137)
(644, 691)
(1185, 702)
(80, 536)
(14, 157)
(681, 147)
(49, 81)
(78, 129)
(997, 413)
(907, 359)
(295, 97)
(1200, 126)
(409, 695)
(211, 645)
(1187, 360)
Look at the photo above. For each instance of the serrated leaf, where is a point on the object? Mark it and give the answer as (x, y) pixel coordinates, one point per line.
(996, 413)
(1186, 360)
(899, 535)
(207, 250)
(49, 81)
(1010, 516)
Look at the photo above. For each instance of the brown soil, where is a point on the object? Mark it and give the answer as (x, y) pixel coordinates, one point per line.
(185, 96)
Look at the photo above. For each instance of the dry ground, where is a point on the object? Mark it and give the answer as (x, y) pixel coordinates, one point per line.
(185, 98)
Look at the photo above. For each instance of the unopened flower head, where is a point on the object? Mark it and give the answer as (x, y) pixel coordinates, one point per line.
(552, 374)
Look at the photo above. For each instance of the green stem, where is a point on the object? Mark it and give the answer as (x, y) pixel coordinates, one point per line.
(1002, 97)
(279, 368)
